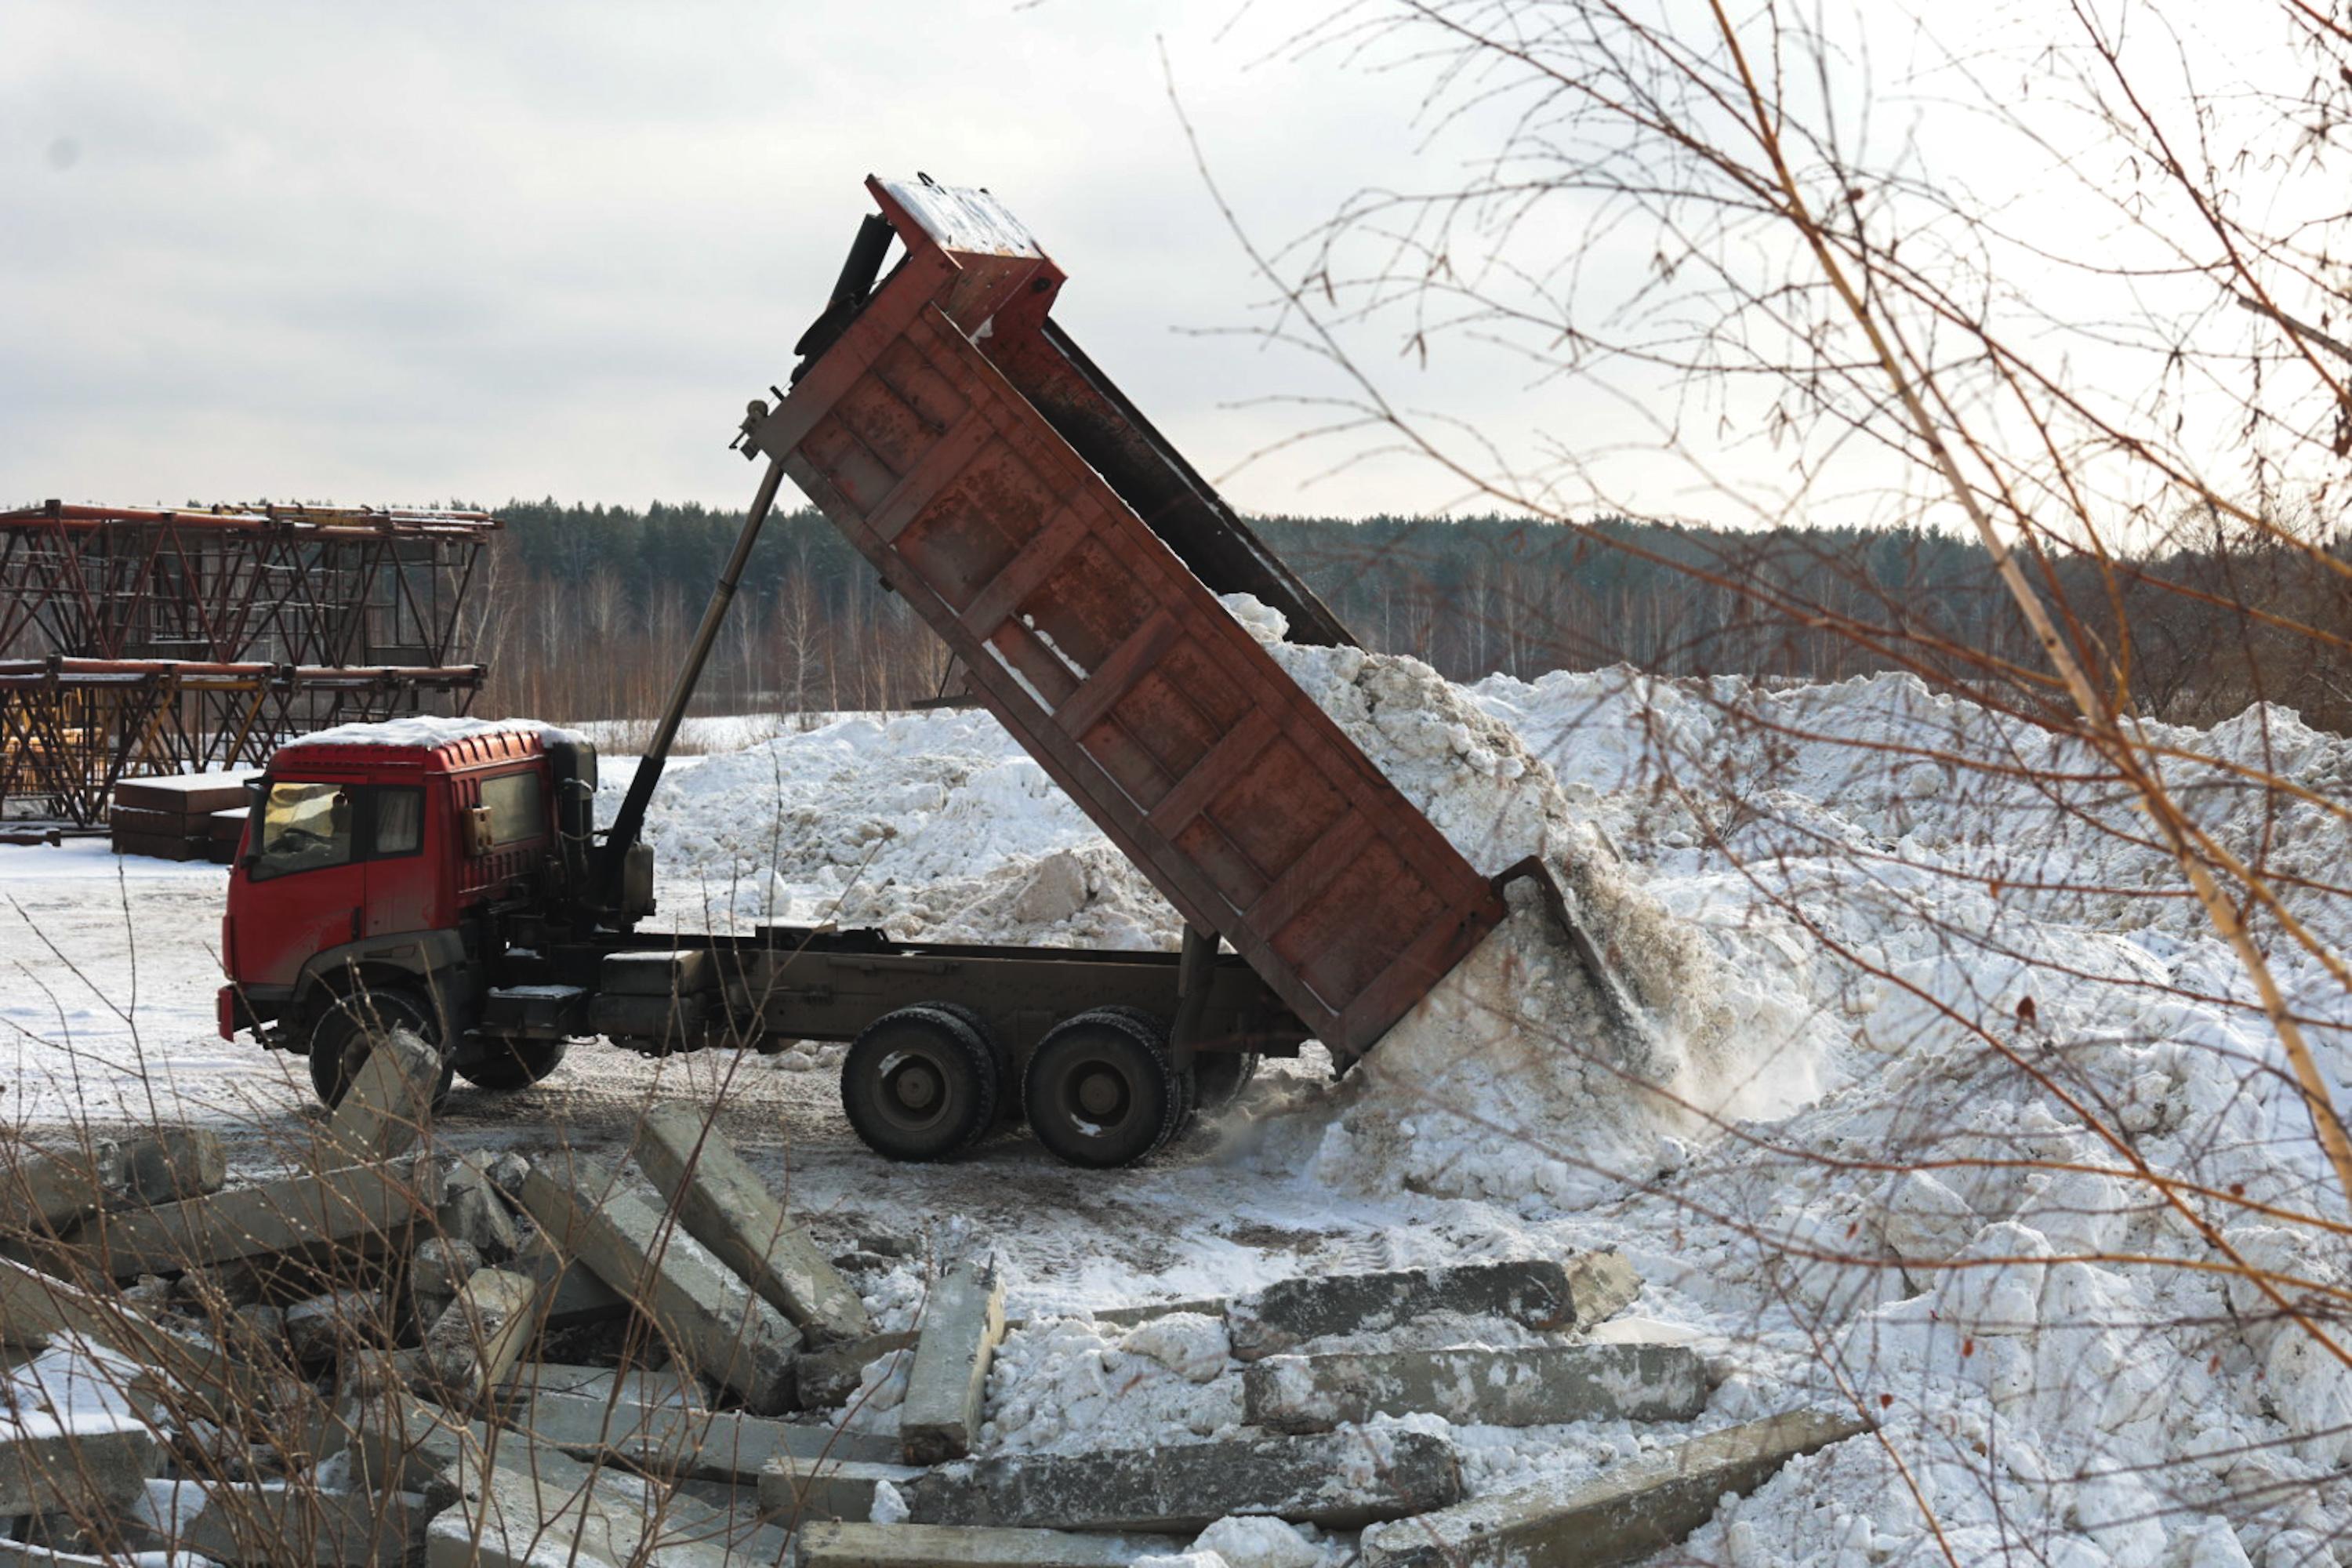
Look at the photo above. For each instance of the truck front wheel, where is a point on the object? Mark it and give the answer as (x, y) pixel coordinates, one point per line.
(349, 1028)
(919, 1084)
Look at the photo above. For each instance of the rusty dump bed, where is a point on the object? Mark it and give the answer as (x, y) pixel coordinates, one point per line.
(1071, 561)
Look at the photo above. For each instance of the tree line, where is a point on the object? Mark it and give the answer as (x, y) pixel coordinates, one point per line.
(586, 610)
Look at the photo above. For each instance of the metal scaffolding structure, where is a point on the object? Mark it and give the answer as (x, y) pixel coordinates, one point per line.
(136, 641)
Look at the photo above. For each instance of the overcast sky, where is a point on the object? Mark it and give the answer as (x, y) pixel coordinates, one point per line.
(407, 253)
(413, 253)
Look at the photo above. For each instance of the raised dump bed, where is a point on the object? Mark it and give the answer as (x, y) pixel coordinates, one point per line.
(934, 423)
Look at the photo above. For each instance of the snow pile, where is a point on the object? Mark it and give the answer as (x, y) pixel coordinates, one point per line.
(1065, 1385)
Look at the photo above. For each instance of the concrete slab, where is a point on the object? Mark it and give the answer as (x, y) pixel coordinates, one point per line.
(830, 1545)
(356, 1211)
(680, 1443)
(705, 1313)
(1288, 1313)
(730, 1211)
(1534, 1385)
(1342, 1480)
(831, 1373)
(1624, 1515)
(797, 1492)
(947, 1388)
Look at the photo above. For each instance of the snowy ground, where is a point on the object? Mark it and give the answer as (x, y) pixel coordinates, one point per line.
(1929, 1008)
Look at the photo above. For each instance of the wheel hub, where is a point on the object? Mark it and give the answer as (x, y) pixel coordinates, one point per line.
(1099, 1093)
(916, 1086)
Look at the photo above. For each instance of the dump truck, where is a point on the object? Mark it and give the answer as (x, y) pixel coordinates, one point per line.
(450, 880)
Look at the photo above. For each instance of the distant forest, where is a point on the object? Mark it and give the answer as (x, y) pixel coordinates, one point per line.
(588, 609)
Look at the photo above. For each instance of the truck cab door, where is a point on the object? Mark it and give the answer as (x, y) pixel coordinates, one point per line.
(305, 846)
(400, 875)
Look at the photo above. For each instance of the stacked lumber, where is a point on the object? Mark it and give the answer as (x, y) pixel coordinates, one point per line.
(181, 817)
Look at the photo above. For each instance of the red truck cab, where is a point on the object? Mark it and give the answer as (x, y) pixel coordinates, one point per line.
(392, 860)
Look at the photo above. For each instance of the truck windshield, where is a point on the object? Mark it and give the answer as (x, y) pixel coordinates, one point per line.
(304, 826)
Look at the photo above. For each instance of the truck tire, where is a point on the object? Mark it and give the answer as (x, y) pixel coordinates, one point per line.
(346, 1030)
(499, 1064)
(919, 1084)
(1101, 1089)
(1219, 1077)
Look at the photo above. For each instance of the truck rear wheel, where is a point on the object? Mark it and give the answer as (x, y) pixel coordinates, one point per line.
(1219, 1076)
(1101, 1089)
(352, 1023)
(919, 1084)
(503, 1064)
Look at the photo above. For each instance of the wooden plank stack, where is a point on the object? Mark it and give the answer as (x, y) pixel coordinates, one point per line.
(182, 816)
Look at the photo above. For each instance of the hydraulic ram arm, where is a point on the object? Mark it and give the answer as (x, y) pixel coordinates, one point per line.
(632, 819)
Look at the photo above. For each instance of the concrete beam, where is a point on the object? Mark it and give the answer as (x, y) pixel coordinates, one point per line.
(1290, 1313)
(1342, 1480)
(91, 1470)
(384, 1112)
(830, 1545)
(729, 1210)
(478, 1340)
(570, 1293)
(947, 1388)
(684, 1444)
(1536, 1385)
(1622, 1515)
(604, 1384)
(798, 1493)
(711, 1318)
(44, 1193)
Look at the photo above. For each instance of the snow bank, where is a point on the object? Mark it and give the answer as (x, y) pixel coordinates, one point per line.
(1851, 1160)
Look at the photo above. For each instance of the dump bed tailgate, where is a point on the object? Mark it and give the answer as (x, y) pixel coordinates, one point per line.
(1102, 652)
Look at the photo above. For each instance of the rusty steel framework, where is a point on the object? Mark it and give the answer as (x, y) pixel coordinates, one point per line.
(137, 641)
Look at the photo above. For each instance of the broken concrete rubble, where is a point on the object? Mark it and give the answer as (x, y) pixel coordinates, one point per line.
(709, 1317)
(1622, 1515)
(830, 1545)
(831, 1374)
(1535, 1385)
(1342, 1480)
(963, 1322)
(472, 1211)
(726, 1208)
(1538, 1292)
